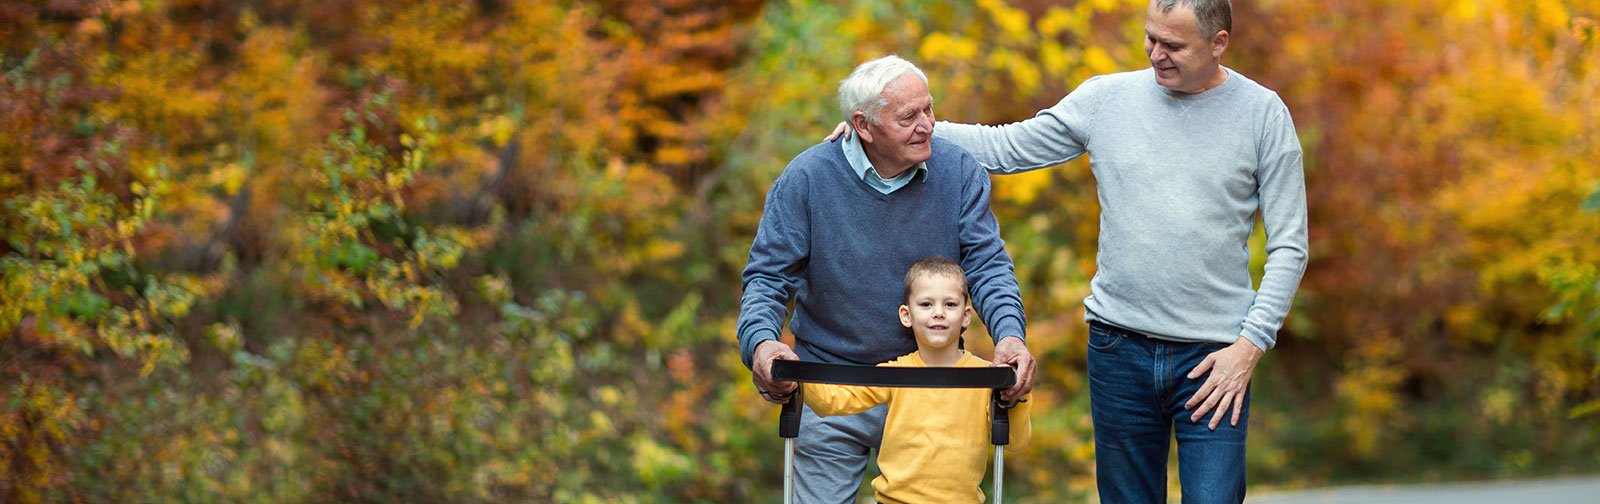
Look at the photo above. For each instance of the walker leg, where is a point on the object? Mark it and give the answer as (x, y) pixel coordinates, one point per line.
(999, 471)
(789, 429)
(788, 470)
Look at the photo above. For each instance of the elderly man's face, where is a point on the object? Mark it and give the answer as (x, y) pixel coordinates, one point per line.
(1184, 59)
(901, 136)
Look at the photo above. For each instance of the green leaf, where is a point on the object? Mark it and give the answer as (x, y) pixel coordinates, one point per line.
(1592, 205)
(86, 304)
(1583, 410)
(356, 256)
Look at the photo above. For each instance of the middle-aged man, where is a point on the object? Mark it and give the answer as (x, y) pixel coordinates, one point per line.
(841, 226)
(1184, 154)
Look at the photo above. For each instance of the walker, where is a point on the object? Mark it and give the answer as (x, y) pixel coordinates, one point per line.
(995, 378)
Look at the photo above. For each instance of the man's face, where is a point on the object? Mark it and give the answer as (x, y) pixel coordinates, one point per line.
(901, 136)
(1184, 60)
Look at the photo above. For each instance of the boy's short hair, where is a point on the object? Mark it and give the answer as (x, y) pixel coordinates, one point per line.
(930, 266)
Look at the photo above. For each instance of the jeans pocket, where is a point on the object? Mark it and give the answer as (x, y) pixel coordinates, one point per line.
(1103, 340)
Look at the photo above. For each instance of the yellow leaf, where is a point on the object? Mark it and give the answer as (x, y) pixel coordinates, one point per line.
(943, 46)
(1098, 60)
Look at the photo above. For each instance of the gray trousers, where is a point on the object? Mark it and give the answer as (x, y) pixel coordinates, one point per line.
(831, 453)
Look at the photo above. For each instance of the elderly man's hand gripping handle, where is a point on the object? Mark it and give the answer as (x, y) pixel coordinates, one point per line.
(1011, 351)
(774, 391)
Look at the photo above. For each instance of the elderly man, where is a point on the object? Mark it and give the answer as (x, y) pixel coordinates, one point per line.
(840, 227)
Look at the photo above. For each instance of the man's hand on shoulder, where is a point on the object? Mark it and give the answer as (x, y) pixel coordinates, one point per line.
(1227, 384)
(776, 392)
(843, 129)
(1011, 351)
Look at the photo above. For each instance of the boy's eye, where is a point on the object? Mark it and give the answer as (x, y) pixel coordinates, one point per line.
(924, 304)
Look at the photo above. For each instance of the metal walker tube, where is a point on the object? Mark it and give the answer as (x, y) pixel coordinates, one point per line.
(788, 470)
(999, 471)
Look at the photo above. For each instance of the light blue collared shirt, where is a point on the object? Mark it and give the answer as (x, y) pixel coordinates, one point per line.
(863, 167)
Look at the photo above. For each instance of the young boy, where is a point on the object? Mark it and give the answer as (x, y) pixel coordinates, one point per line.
(935, 441)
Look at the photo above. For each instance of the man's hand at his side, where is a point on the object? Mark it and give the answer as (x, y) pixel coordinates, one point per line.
(1012, 352)
(774, 391)
(1227, 384)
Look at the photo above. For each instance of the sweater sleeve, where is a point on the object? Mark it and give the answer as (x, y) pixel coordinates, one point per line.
(990, 274)
(1281, 182)
(1053, 136)
(829, 400)
(778, 256)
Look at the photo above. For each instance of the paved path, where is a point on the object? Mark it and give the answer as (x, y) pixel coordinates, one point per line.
(1576, 490)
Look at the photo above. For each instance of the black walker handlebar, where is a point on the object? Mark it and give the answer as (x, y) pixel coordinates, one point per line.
(995, 378)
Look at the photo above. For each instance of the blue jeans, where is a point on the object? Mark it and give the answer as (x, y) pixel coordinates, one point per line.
(830, 456)
(1137, 388)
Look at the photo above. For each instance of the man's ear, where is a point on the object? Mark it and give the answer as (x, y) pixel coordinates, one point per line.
(858, 120)
(905, 315)
(1219, 43)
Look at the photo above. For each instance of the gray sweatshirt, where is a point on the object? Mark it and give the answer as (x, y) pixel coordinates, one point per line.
(1180, 180)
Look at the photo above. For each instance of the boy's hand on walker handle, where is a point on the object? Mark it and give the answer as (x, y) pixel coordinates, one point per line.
(774, 391)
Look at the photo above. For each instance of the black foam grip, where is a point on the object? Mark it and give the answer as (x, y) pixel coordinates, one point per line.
(789, 418)
(999, 421)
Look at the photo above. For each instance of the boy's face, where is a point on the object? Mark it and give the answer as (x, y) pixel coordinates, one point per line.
(937, 311)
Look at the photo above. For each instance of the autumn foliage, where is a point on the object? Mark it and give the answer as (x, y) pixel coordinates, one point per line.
(422, 251)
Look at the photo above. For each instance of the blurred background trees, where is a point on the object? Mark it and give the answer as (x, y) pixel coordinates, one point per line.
(439, 251)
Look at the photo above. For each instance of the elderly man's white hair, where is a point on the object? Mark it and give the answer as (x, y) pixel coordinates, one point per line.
(863, 90)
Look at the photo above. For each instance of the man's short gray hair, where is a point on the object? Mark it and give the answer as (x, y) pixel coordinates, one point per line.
(862, 91)
(1211, 16)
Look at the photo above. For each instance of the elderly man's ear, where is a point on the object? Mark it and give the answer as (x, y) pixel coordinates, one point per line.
(858, 120)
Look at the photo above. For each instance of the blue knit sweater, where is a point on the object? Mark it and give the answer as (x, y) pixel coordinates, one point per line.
(840, 249)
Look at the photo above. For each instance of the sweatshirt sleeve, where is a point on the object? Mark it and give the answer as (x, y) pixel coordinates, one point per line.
(1021, 418)
(1053, 136)
(1281, 182)
(829, 400)
(778, 256)
(991, 276)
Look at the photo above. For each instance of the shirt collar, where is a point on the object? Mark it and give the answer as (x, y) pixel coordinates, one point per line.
(857, 157)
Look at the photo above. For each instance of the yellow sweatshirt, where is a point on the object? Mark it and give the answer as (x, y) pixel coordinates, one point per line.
(935, 441)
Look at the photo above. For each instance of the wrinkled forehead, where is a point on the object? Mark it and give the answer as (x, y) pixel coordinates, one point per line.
(907, 91)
